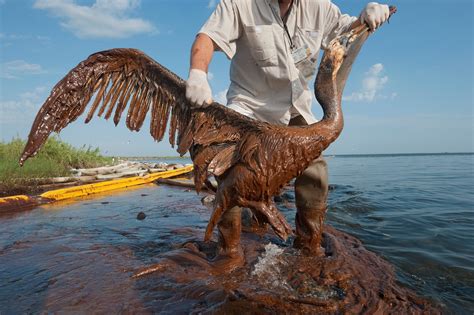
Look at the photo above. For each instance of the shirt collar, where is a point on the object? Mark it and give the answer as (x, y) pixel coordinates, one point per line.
(275, 5)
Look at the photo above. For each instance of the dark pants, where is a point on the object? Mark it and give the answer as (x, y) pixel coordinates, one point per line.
(311, 191)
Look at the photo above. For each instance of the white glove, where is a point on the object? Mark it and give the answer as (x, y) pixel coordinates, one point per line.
(198, 91)
(374, 15)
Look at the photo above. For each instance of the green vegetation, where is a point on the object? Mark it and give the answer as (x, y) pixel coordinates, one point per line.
(56, 158)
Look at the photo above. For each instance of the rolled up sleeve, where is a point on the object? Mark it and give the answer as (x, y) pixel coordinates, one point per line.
(335, 24)
(224, 27)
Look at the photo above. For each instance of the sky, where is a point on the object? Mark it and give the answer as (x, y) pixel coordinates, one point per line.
(410, 90)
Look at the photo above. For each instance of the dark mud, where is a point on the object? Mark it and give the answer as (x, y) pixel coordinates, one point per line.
(33, 188)
(6, 191)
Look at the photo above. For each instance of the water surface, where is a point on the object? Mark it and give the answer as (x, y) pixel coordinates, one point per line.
(417, 211)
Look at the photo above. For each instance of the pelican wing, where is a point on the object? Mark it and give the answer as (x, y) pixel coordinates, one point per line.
(126, 80)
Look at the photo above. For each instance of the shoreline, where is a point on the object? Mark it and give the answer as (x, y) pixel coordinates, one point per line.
(122, 169)
(40, 185)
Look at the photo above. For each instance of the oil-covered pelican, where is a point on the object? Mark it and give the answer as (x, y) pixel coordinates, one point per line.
(250, 160)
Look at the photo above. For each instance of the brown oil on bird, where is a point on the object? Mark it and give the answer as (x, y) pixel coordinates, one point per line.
(250, 160)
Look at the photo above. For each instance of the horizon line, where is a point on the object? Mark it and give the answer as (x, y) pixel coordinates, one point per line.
(326, 155)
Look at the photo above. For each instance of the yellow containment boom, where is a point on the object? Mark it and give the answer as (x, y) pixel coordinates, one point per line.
(21, 201)
(85, 190)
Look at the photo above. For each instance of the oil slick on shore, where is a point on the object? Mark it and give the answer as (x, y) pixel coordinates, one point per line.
(85, 254)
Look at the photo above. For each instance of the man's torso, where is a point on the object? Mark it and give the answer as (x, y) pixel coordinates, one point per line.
(269, 71)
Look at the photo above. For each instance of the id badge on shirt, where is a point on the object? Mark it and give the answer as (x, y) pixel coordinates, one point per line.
(300, 53)
(301, 56)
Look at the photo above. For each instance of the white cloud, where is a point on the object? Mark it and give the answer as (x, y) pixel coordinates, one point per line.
(372, 84)
(104, 19)
(211, 4)
(210, 75)
(221, 97)
(23, 108)
(15, 68)
(116, 5)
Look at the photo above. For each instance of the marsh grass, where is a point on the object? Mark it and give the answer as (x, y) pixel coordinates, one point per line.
(56, 158)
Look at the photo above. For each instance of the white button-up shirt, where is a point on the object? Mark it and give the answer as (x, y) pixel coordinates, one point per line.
(269, 78)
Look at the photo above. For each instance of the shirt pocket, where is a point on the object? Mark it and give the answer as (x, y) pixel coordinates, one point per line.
(311, 39)
(262, 44)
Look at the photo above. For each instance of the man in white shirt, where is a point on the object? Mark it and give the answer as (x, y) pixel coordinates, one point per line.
(273, 46)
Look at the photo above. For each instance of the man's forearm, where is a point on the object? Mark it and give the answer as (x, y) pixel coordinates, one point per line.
(198, 90)
(201, 52)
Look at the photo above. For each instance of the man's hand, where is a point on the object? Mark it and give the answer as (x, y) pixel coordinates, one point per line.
(198, 91)
(374, 15)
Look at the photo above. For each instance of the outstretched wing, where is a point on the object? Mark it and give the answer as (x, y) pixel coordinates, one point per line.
(118, 79)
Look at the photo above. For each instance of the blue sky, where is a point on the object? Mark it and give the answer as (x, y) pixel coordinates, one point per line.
(411, 90)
